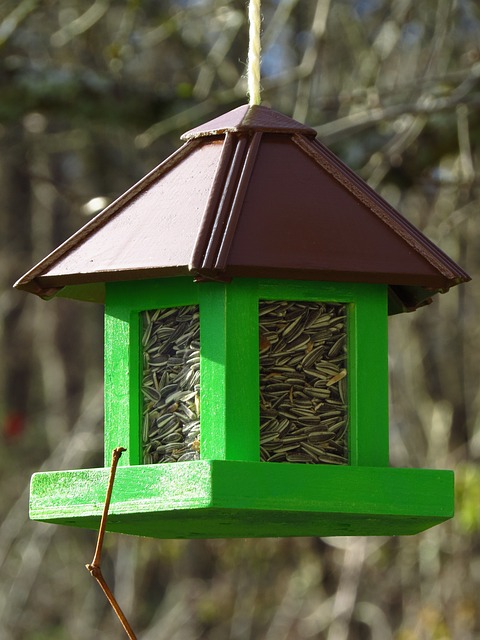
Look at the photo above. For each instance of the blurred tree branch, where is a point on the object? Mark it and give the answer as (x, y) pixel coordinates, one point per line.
(94, 94)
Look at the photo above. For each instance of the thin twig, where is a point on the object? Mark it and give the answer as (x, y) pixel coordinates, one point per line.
(94, 566)
(117, 452)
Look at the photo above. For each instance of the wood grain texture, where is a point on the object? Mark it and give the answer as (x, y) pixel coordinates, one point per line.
(222, 498)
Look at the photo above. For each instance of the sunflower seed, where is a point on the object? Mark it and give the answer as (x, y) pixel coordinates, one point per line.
(298, 456)
(171, 377)
(303, 404)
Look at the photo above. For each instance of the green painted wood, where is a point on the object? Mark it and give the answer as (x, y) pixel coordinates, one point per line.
(236, 499)
(228, 493)
(230, 364)
(141, 295)
(123, 358)
(121, 384)
(367, 358)
(213, 411)
(368, 387)
(306, 290)
(243, 377)
(230, 417)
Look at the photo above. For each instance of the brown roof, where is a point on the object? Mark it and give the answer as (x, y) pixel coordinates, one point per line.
(250, 194)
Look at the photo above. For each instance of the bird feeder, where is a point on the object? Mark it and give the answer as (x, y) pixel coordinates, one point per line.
(247, 282)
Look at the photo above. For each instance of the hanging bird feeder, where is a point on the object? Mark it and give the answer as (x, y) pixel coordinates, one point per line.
(247, 282)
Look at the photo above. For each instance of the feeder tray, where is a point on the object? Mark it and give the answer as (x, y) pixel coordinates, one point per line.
(247, 282)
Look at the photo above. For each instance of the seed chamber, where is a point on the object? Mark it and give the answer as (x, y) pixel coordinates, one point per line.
(303, 382)
(171, 384)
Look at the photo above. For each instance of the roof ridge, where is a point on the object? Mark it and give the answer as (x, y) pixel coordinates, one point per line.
(248, 119)
(222, 214)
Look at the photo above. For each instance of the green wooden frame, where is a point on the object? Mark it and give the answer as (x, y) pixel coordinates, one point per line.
(223, 498)
(229, 492)
(230, 364)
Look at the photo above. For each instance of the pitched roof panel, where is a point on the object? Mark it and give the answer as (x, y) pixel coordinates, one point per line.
(252, 194)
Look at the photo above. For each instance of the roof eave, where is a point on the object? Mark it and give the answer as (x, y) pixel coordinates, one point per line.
(405, 294)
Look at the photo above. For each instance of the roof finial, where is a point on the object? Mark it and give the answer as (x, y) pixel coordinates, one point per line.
(254, 47)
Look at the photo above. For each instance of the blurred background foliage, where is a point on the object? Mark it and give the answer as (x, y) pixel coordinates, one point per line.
(95, 93)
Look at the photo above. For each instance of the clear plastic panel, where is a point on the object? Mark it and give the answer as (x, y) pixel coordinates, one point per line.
(303, 382)
(171, 384)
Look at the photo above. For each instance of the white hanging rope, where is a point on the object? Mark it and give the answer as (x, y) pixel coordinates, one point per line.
(254, 47)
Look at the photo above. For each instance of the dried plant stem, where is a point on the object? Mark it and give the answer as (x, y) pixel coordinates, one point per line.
(94, 566)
